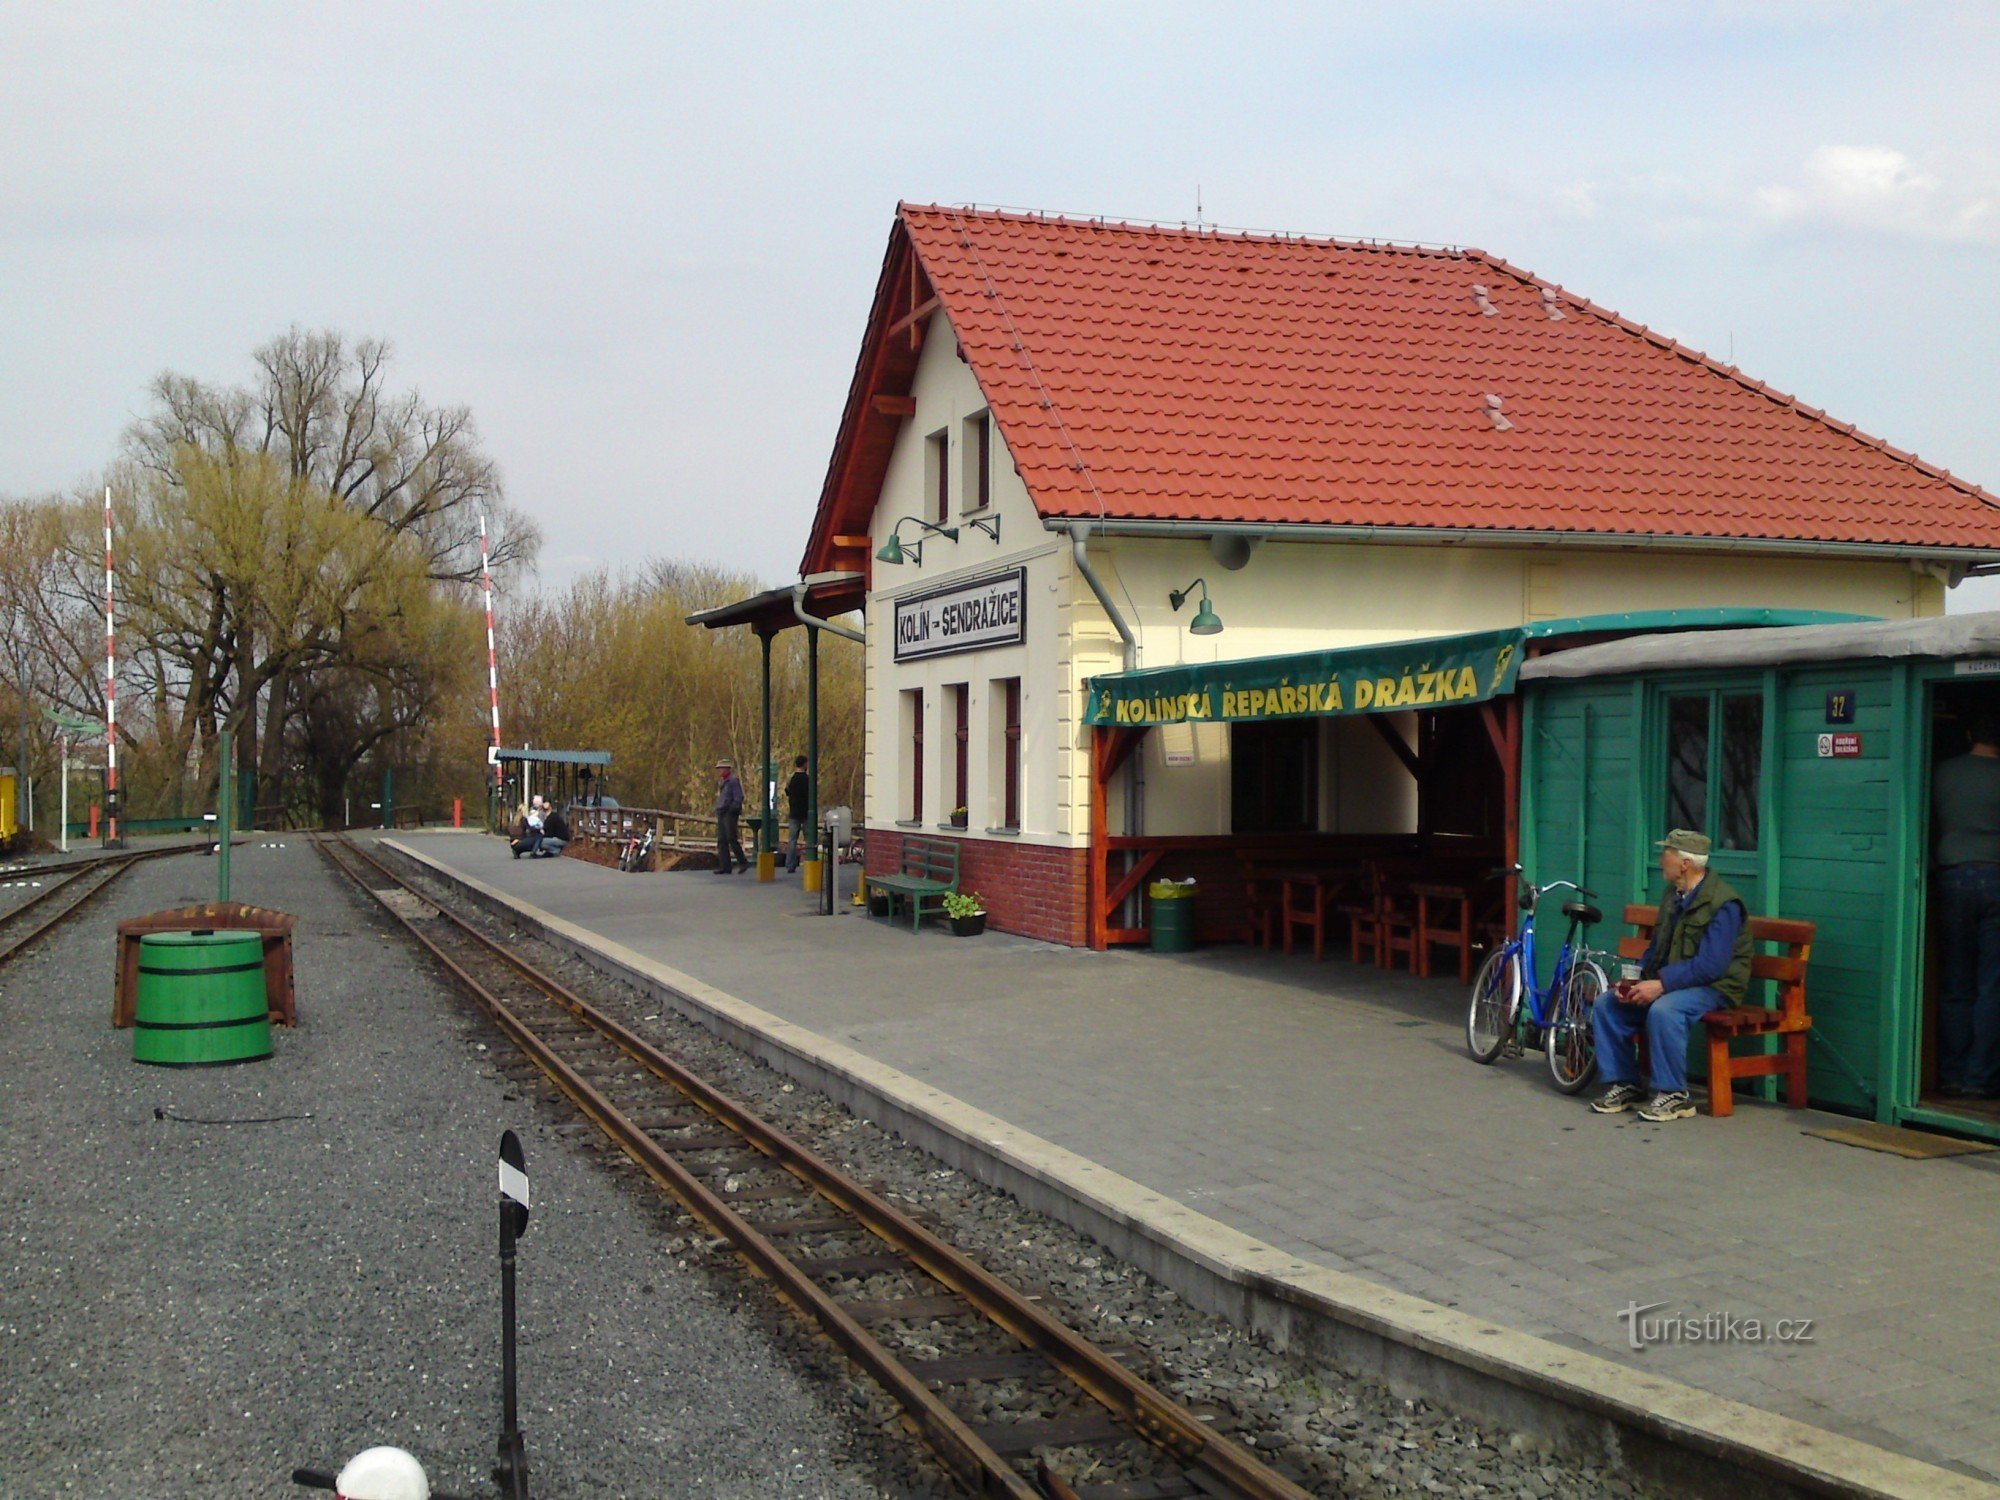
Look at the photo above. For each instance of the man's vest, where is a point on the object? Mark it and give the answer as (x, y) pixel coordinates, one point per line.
(1679, 937)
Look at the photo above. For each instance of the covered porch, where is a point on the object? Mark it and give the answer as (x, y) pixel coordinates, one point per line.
(802, 605)
(1362, 796)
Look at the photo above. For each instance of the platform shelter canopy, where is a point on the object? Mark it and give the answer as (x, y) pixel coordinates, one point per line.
(1380, 677)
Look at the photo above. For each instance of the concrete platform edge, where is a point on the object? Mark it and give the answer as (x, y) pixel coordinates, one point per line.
(1575, 1402)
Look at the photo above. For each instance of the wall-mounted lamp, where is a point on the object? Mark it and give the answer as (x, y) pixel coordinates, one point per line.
(988, 524)
(893, 549)
(1205, 621)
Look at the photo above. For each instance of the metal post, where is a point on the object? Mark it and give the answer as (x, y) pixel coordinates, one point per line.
(22, 818)
(388, 798)
(766, 843)
(510, 1471)
(812, 731)
(225, 813)
(62, 828)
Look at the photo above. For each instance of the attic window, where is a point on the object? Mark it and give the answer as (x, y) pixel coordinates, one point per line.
(1499, 418)
(1486, 308)
(1552, 305)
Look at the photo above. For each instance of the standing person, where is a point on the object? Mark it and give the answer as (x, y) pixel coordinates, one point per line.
(1699, 961)
(1965, 796)
(729, 858)
(798, 796)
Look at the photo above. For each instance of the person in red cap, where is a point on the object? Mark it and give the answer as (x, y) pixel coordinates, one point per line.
(1699, 961)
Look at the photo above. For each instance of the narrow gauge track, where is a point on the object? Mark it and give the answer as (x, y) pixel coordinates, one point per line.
(73, 887)
(813, 1231)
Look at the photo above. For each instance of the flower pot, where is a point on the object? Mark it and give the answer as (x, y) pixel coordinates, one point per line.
(970, 926)
(878, 905)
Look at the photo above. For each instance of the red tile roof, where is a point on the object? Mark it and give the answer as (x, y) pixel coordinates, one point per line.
(1143, 373)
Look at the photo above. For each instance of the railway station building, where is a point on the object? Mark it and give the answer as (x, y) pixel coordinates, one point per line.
(1181, 545)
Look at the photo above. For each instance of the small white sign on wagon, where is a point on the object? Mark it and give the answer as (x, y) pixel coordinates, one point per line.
(970, 616)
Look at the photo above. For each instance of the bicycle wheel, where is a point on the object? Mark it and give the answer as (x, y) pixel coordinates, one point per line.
(1496, 996)
(1571, 1044)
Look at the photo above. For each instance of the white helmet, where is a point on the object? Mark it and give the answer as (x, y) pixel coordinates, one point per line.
(382, 1474)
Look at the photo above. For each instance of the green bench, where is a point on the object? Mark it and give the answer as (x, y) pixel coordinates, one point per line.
(929, 873)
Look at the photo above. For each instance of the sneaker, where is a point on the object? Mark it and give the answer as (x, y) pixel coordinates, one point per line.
(1618, 1098)
(1666, 1107)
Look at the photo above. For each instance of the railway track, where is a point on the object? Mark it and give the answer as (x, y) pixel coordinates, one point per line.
(924, 1321)
(70, 888)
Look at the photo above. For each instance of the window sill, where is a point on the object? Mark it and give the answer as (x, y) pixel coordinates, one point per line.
(1005, 833)
(950, 827)
(909, 822)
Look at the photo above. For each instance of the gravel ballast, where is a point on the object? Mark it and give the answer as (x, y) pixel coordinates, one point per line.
(192, 1309)
(1334, 1434)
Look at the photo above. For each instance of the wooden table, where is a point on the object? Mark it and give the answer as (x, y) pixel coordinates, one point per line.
(1441, 896)
(1308, 891)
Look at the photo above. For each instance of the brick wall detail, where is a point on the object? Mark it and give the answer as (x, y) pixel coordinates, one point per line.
(1035, 890)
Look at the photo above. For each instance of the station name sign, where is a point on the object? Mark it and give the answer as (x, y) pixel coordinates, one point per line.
(1358, 680)
(973, 616)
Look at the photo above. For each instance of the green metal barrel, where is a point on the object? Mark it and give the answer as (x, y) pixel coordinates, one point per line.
(201, 1000)
(1173, 916)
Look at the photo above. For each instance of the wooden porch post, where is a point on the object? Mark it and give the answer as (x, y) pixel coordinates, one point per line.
(1097, 866)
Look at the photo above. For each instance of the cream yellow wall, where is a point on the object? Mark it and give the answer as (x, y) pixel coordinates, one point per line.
(1299, 596)
(946, 395)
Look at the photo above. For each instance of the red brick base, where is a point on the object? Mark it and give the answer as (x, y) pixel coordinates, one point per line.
(1036, 890)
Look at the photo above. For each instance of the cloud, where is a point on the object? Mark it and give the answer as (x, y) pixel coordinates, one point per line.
(1878, 189)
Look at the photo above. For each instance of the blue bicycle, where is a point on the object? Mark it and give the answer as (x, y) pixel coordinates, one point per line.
(1557, 1019)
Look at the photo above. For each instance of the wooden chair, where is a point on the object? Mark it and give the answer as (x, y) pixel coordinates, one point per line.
(1262, 899)
(1384, 923)
(1786, 1019)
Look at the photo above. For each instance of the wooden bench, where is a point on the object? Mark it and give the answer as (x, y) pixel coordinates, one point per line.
(928, 873)
(1788, 1019)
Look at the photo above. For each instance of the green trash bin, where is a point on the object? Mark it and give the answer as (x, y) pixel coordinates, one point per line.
(201, 1000)
(1173, 915)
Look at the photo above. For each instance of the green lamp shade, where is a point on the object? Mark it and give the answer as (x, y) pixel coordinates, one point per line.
(1206, 621)
(892, 550)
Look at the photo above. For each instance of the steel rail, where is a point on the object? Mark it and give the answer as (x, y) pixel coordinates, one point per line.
(1152, 1416)
(118, 864)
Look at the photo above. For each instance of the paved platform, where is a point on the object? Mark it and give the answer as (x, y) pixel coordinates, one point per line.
(1329, 1111)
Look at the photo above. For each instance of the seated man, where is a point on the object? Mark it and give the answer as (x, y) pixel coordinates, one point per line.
(1699, 961)
(555, 834)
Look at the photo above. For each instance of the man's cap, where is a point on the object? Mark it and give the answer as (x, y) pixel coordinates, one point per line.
(1684, 841)
(725, 765)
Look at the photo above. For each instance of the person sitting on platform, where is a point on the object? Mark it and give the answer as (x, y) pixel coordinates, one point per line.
(528, 829)
(555, 833)
(1699, 961)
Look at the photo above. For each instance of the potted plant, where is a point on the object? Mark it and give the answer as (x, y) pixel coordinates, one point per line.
(958, 817)
(878, 903)
(967, 913)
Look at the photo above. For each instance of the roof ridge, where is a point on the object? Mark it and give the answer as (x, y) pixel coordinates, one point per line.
(1735, 373)
(1197, 230)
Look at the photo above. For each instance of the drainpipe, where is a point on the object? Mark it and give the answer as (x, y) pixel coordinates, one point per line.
(815, 623)
(1135, 781)
(1078, 537)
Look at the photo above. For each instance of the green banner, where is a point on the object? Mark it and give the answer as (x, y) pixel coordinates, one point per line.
(1439, 673)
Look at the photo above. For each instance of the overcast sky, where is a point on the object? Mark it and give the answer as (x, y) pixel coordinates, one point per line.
(639, 240)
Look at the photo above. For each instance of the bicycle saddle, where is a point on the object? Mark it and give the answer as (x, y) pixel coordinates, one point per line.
(1583, 911)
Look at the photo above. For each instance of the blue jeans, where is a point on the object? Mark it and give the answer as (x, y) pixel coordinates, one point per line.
(1666, 1022)
(1968, 1035)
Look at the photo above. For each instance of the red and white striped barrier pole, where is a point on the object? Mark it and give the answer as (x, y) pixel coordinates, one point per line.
(492, 656)
(110, 685)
